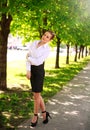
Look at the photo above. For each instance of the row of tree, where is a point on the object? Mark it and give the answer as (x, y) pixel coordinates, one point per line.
(69, 19)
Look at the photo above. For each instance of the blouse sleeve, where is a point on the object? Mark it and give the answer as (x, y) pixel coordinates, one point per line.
(28, 66)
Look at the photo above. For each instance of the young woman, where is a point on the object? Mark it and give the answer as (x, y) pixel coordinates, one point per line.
(38, 52)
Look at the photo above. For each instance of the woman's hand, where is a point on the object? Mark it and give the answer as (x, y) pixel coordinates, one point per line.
(28, 74)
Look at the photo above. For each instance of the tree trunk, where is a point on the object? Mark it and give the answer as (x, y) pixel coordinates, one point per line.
(86, 51)
(75, 59)
(4, 31)
(43, 29)
(79, 55)
(89, 51)
(57, 53)
(67, 58)
(82, 51)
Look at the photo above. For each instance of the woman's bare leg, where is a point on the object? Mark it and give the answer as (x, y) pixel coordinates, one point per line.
(38, 103)
(37, 99)
(42, 107)
(42, 104)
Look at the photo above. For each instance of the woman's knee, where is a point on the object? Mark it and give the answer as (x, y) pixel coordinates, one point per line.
(36, 96)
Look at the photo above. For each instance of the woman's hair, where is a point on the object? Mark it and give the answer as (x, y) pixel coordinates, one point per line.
(52, 33)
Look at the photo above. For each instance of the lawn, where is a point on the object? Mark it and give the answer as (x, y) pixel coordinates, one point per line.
(16, 104)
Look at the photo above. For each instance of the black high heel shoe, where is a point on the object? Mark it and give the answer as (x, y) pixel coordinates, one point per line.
(47, 115)
(35, 123)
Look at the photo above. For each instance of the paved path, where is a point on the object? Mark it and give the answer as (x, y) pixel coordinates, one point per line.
(70, 108)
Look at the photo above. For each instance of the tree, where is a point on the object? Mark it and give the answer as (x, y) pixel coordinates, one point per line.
(5, 20)
(65, 21)
(8, 9)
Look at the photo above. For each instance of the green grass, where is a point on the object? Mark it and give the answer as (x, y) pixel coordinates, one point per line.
(16, 104)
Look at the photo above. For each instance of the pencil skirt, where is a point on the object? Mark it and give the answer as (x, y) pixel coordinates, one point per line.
(37, 77)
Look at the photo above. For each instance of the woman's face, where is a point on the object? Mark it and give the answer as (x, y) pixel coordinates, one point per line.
(46, 37)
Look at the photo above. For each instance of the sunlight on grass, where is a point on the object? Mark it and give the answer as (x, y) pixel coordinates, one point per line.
(17, 75)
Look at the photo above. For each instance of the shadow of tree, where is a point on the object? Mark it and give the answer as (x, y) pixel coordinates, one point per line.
(15, 106)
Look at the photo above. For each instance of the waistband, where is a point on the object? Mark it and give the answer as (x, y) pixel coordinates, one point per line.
(37, 65)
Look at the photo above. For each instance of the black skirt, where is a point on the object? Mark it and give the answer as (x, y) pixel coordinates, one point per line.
(37, 77)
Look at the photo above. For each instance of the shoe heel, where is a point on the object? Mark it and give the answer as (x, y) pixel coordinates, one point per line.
(47, 116)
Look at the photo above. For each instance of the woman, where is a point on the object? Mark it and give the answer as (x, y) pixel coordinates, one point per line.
(38, 52)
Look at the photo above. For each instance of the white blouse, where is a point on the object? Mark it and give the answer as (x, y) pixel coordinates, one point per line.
(37, 55)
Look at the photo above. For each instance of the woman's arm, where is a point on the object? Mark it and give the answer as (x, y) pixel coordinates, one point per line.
(28, 67)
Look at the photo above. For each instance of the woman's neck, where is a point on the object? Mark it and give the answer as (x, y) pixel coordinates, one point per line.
(40, 44)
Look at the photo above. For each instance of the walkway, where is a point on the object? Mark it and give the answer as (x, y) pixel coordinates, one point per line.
(70, 108)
